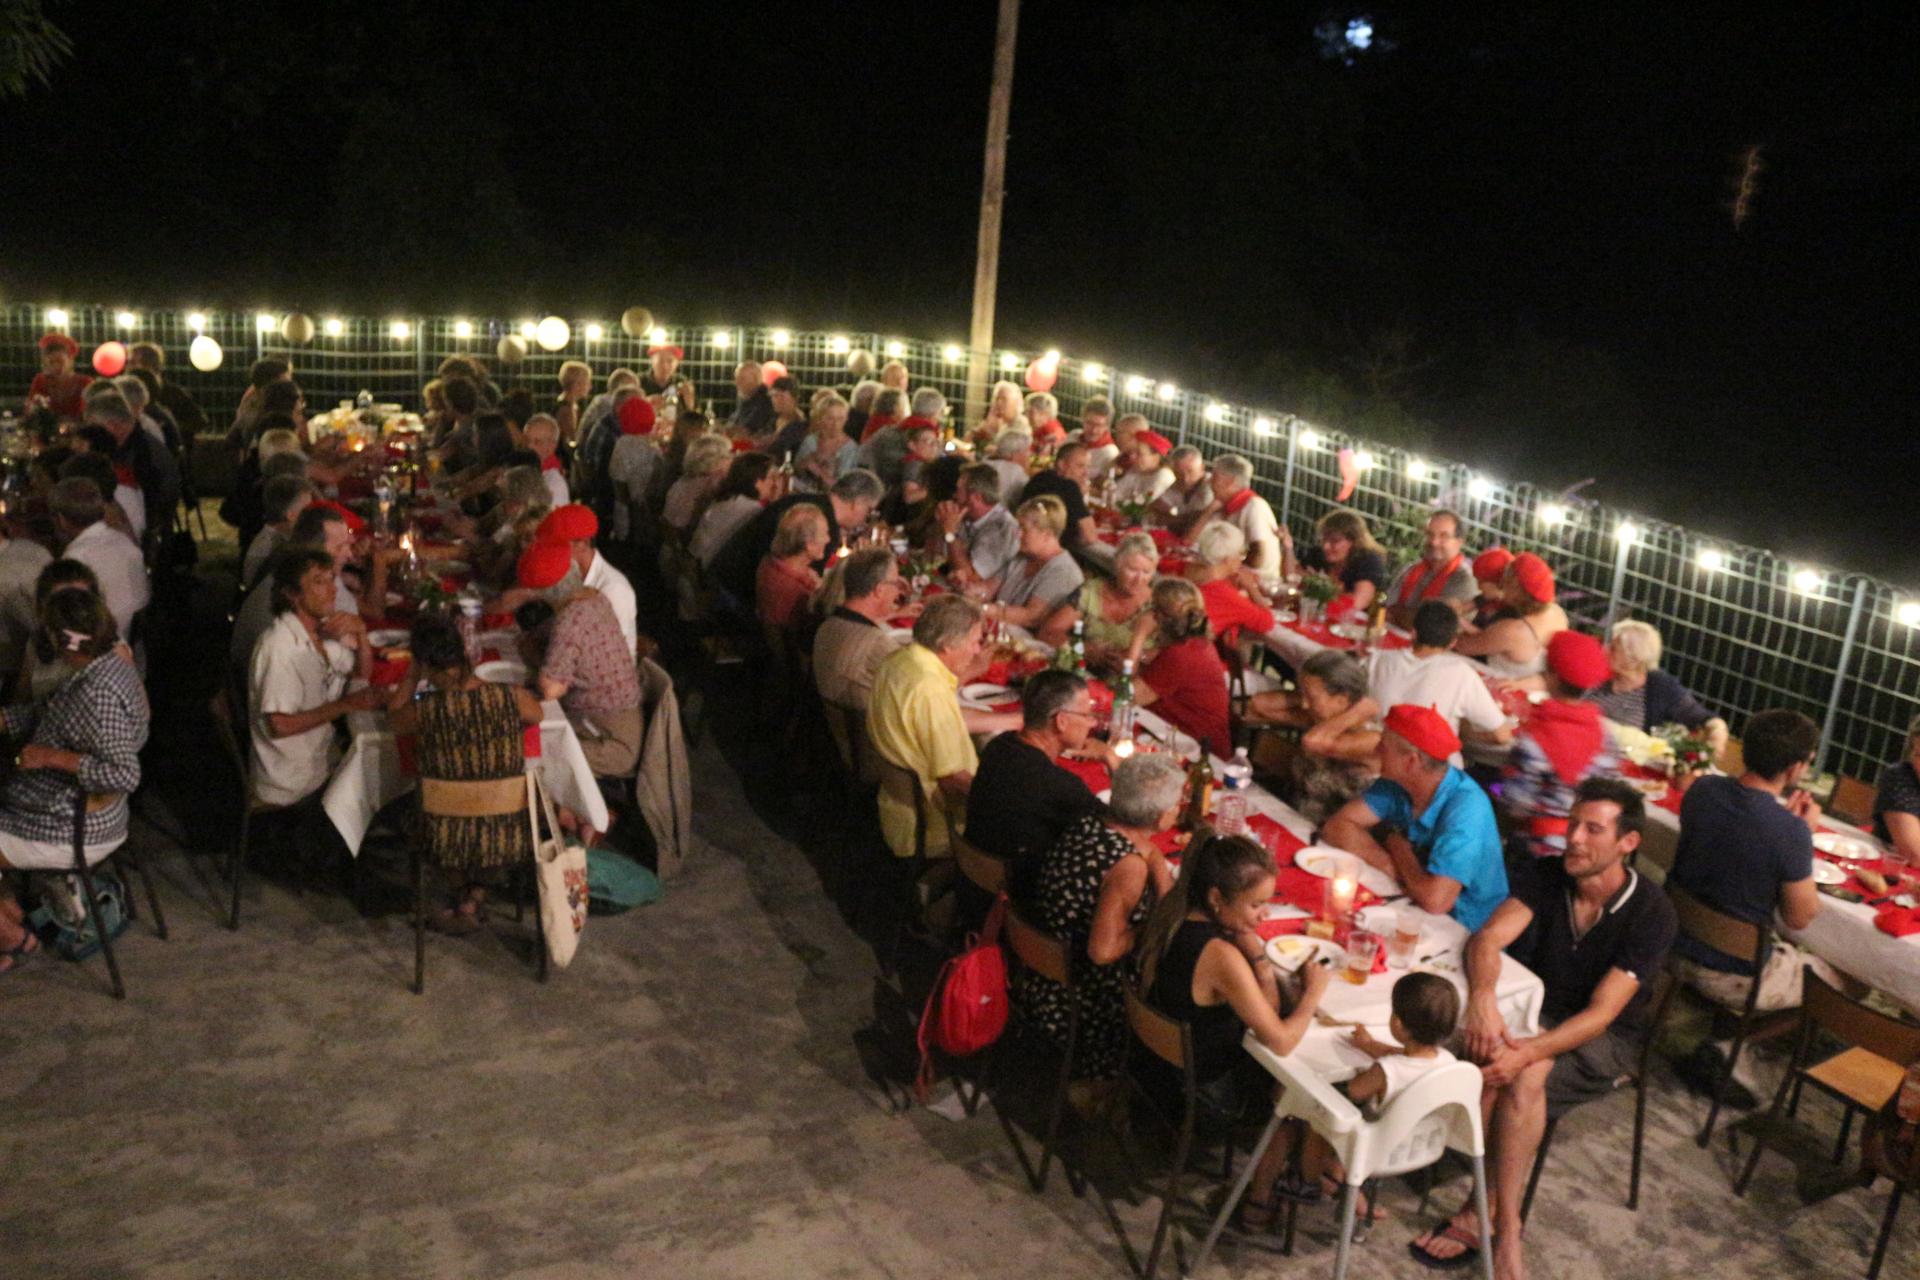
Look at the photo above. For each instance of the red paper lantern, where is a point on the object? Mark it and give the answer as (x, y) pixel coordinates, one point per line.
(1042, 374)
(772, 371)
(109, 358)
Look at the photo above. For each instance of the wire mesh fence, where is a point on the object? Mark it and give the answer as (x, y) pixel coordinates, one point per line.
(1744, 628)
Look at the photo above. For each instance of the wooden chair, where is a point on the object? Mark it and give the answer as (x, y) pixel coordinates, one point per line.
(902, 786)
(1662, 988)
(1732, 761)
(1884, 1160)
(232, 733)
(1864, 1076)
(1852, 800)
(441, 797)
(980, 869)
(1723, 933)
(1048, 956)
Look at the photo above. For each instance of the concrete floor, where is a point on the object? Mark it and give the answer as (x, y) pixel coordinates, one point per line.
(688, 1100)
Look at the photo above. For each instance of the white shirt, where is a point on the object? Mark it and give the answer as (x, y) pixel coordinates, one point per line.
(1100, 458)
(1447, 682)
(134, 503)
(122, 573)
(1013, 480)
(613, 584)
(1402, 1070)
(289, 674)
(1142, 486)
(1256, 520)
(558, 495)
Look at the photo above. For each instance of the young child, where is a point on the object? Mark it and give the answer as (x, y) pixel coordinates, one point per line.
(1425, 1009)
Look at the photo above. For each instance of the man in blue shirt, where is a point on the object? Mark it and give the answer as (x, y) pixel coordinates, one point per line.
(1440, 840)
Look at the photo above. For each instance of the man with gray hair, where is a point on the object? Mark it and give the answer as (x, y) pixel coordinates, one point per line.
(848, 506)
(884, 451)
(78, 520)
(1250, 513)
(852, 643)
(978, 535)
(282, 498)
(155, 491)
(186, 411)
(753, 404)
(1022, 798)
(915, 721)
(1184, 505)
(1012, 450)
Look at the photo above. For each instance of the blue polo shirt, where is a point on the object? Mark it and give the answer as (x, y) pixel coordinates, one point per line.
(1455, 837)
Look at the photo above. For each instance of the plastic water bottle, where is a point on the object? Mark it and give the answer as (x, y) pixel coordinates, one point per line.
(1120, 721)
(364, 400)
(1230, 815)
(469, 625)
(383, 505)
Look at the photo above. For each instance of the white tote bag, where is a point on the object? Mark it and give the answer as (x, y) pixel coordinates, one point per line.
(561, 868)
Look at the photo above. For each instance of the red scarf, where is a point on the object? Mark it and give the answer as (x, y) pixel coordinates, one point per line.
(1232, 506)
(123, 475)
(1569, 733)
(550, 463)
(1430, 586)
(875, 425)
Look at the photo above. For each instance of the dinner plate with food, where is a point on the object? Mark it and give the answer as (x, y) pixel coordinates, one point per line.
(1838, 844)
(1291, 951)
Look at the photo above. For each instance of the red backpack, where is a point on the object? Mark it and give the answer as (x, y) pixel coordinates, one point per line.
(967, 1009)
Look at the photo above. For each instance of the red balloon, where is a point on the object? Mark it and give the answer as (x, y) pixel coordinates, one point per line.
(109, 358)
(772, 371)
(1041, 375)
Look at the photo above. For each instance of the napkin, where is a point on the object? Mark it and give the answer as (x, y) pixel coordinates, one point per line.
(1271, 929)
(1307, 891)
(1282, 843)
(1171, 841)
(496, 621)
(387, 672)
(1898, 921)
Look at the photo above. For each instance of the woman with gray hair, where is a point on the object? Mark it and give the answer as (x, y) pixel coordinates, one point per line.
(1096, 886)
(889, 410)
(860, 403)
(1339, 748)
(687, 497)
(1231, 590)
(1109, 608)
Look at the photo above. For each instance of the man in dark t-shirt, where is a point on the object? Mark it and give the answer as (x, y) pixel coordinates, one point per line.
(1067, 482)
(1021, 799)
(1595, 932)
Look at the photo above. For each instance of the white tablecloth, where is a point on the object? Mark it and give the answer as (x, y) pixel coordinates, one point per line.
(369, 776)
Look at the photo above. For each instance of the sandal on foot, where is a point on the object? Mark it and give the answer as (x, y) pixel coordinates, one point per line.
(454, 922)
(1468, 1255)
(14, 957)
(1252, 1218)
(1300, 1190)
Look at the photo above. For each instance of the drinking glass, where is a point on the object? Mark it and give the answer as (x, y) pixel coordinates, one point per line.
(1404, 941)
(1362, 947)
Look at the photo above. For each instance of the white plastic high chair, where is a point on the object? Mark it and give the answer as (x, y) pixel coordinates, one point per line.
(1439, 1110)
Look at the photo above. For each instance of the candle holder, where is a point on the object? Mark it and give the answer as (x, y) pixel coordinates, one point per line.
(1343, 886)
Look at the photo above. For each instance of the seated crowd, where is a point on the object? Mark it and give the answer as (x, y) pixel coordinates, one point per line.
(790, 523)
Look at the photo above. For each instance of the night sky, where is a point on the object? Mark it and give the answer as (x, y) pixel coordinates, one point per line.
(1502, 235)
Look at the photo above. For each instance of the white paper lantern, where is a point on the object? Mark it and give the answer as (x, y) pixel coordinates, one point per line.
(205, 354)
(296, 328)
(512, 349)
(552, 334)
(636, 321)
(860, 363)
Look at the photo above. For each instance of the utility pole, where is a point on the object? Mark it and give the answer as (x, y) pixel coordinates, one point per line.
(993, 190)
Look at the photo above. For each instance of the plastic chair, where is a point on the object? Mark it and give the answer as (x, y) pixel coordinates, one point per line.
(1439, 1110)
(1638, 1081)
(1730, 937)
(1863, 1077)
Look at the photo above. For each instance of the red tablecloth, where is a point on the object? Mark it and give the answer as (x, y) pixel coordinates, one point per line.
(1320, 634)
(1006, 671)
(1670, 801)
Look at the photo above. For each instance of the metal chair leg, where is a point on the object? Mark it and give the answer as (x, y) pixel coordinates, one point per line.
(1345, 1253)
(237, 861)
(1540, 1163)
(1232, 1201)
(1846, 1131)
(100, 927)
(1058, 1107)
(419, 923)
(1639, 1134)
(1480, 1210)
(1886, 1232)
(1182, 1149)
(1720, 1087)
(153, 899)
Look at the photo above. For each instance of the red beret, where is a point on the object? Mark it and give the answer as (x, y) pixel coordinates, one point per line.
(1491, 563)
(1534, 577)
(743, 444)
(636, 416)
(1425, 728)
(543, 564)
(355, 523)
(571, 523)
(51, 340)
(1578, 659)
(1154, 441)
(675, 352)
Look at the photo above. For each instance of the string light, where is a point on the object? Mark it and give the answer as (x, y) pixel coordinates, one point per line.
(1712, 560)
(1215, 412)
(657, 336)
(896, 349)
(780, 339)
(1553, 513)
(594, 332)
(265, 323)
(196, 321)
(401, 330)
(126, 319)
(1009, 361)
(528, 328)
(56, 317)
(839, 345)
(951, 353)
(1167, 391)
(1480, 487)
(1416, 469)
(335, 326)
(1628, 533)
(1136, 385)
(1093, 371)
(1309, 438)
(1807, 580)
(1909, 614)
(1052, 356)
(463, 328)
(1363, 460)
(1263, 426)
(553, 333)
(722, 339)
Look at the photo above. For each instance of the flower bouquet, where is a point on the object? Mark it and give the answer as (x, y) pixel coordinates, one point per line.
(1317, 591)
(1691, 754)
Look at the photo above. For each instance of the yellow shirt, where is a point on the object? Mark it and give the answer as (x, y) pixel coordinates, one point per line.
(913, 720)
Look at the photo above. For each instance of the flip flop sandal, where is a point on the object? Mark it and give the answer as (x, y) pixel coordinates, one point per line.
(1460, 1261)
(17, 956)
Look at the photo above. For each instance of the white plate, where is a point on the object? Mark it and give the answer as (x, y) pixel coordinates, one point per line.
(1825, 872)
(1289, 951)
(505, 641)
(1320, 861)
(386, 637)
(502, 672)
(1849, 848)
(1651, 788)
(984, 692)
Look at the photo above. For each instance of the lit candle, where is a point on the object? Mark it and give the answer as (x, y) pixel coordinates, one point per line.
(1340, 891)
(1123, 748)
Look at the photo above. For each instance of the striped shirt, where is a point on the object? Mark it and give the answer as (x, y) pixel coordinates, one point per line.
(100, 714)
